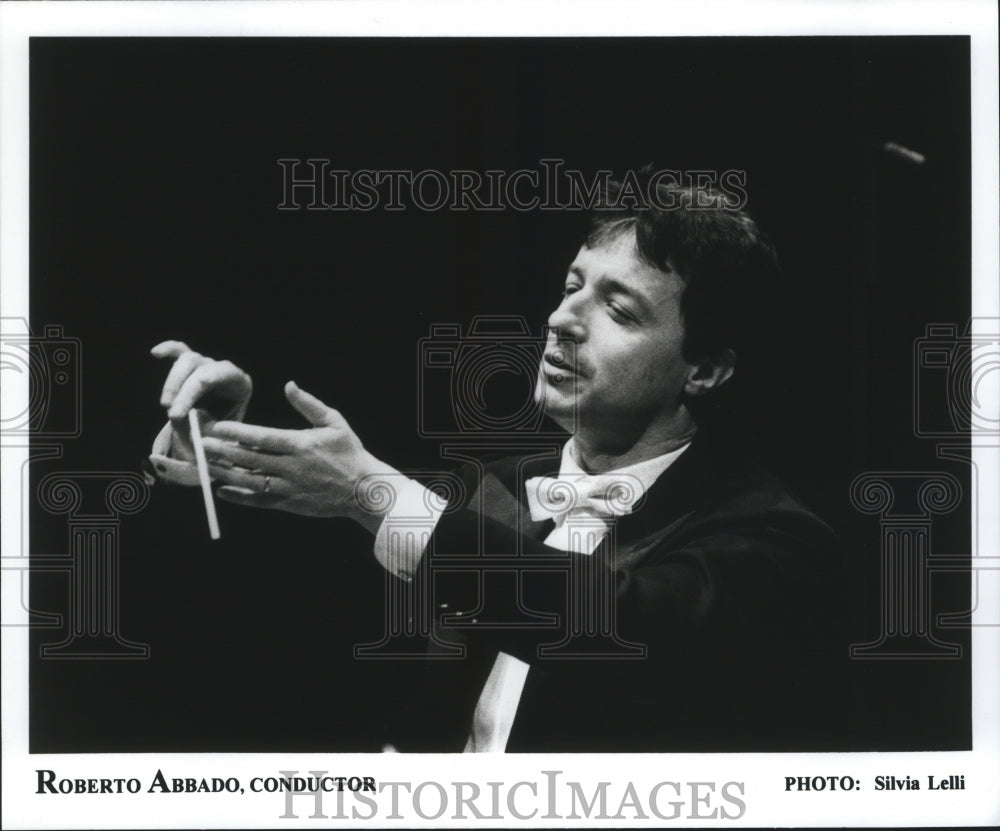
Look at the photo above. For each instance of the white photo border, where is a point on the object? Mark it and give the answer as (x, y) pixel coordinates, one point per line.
(761, 775)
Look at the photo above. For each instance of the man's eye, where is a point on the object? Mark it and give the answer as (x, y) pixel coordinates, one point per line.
(620, 313)
(569, 288)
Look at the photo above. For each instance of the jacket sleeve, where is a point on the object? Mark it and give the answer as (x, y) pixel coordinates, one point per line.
(730, 580)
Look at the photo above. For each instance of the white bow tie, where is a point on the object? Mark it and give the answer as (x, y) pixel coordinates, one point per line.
(607, 495)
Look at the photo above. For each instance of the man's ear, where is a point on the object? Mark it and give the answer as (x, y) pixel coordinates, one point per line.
(710, 373)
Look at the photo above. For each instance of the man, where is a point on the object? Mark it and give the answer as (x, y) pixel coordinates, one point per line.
(678, 591)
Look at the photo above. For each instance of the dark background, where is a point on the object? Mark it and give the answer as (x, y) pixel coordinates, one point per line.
(154, 192)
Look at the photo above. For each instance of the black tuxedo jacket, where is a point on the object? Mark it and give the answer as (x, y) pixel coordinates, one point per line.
(702, 623)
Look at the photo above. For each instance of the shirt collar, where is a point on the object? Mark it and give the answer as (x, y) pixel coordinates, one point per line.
(646, 471)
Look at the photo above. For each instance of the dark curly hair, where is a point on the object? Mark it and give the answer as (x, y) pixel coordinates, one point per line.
(728, 267)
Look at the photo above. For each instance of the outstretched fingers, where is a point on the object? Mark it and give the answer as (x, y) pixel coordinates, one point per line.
(254, 481)
(310, 407)
(244, 496)
(233, 454)
(253, 436)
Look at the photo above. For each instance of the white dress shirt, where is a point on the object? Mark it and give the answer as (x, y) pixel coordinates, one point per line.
(401, 541)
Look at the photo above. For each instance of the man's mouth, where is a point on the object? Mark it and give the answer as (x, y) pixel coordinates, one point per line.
(557, 366)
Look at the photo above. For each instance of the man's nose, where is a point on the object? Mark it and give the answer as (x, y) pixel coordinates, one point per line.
(567, 321)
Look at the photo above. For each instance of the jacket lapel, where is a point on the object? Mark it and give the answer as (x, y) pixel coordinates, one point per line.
(664, 508)
(503, 497)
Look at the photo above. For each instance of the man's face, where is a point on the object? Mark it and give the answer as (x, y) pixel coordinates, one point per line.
(615, 368)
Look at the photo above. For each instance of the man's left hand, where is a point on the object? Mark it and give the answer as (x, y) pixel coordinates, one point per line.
(315, 471)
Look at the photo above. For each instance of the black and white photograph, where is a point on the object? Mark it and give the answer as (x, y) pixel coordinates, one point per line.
(498, 422)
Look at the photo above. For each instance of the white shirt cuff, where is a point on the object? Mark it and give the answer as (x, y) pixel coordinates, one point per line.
(406, 528)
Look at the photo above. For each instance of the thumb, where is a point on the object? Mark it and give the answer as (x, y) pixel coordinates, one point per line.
(310, 407)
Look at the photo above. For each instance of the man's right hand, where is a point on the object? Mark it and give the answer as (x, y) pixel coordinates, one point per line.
(219, 390)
